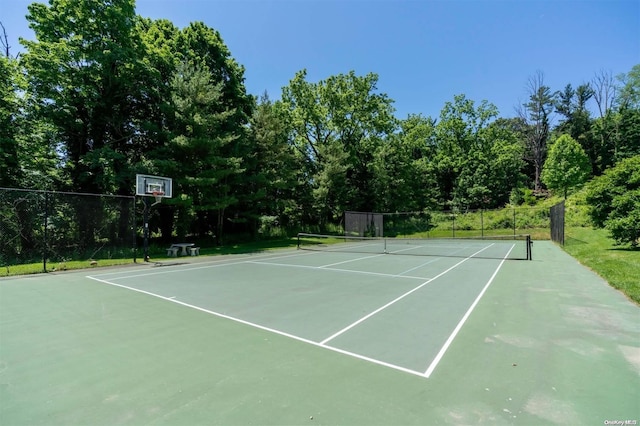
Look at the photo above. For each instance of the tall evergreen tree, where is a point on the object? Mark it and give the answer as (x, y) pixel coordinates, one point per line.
(273, 170)
(202, 166)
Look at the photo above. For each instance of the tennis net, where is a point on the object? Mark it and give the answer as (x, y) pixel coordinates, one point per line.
(517, 247)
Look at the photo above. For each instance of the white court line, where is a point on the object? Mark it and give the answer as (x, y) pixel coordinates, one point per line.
(218, 260)
(350, 260)
(211, 264)
(261, 327)
(453, 253)
(446, 345)
(349, 327)
(420, 266)
(349, 271)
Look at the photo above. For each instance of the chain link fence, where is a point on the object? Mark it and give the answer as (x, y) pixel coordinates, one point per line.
(507, 221)
(53, 227)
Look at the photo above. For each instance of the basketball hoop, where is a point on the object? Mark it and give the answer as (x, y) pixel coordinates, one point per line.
(158, 196)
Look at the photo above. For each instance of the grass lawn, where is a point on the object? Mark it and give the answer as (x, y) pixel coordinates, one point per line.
(36, 268)
(155, 252)
(620, 266)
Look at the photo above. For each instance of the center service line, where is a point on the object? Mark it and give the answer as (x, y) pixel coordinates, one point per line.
(399, 298)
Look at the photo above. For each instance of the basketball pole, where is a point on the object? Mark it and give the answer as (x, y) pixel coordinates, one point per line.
(145, 230)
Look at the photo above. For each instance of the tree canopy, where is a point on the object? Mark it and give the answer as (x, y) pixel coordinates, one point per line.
(101, 94)
(614, 198)
(566, 166)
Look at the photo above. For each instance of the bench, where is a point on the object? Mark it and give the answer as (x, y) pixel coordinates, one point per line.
(173, 251)
(194, 251)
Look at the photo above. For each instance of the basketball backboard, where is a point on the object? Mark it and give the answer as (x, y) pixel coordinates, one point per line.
(154, 186)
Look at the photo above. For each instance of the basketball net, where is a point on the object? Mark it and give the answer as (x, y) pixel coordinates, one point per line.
(158, 196)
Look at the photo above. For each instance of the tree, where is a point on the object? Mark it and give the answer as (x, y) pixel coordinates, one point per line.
(337, 125)
(159, 43)
(604, 94)
(84, 74)
(4, 42)
(404, 179)
(273, 171)
(200, 157)
(9, 113)
(536, 115)
(572, 106)
(477, 160)
(458, 136)
(202, 46)
(614, 200)
(628, 133)
(629, 93)
(566, 166)
(628, 117)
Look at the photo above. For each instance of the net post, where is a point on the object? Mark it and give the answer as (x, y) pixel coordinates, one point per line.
(298, 246)
(529, 244)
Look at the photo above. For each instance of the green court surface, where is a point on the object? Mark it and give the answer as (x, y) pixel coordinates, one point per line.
(310, 338)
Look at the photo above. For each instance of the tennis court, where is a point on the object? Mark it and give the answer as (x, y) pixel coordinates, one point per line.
(346, 335)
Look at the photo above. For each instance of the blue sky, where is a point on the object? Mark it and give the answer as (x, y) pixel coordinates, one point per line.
(423, 51)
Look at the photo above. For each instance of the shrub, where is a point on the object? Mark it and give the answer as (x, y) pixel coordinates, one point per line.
(614, 200)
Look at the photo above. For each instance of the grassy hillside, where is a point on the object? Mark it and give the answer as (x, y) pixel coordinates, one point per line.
(619, 266)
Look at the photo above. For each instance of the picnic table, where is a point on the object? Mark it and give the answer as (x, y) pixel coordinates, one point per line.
(185, 249)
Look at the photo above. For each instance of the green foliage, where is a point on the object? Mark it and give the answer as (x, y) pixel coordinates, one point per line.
(337, 126)
(101, 94)
(630, 88)
(9, 112)
(274, 168)
(204, 163)
(477, 162)
(566, 166)
(403, 175)
(572, 106)
(628, 135)
(614, 198)
(83, 74)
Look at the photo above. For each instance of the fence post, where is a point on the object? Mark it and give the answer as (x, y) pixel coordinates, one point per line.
(453, 225)
(46, 232)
